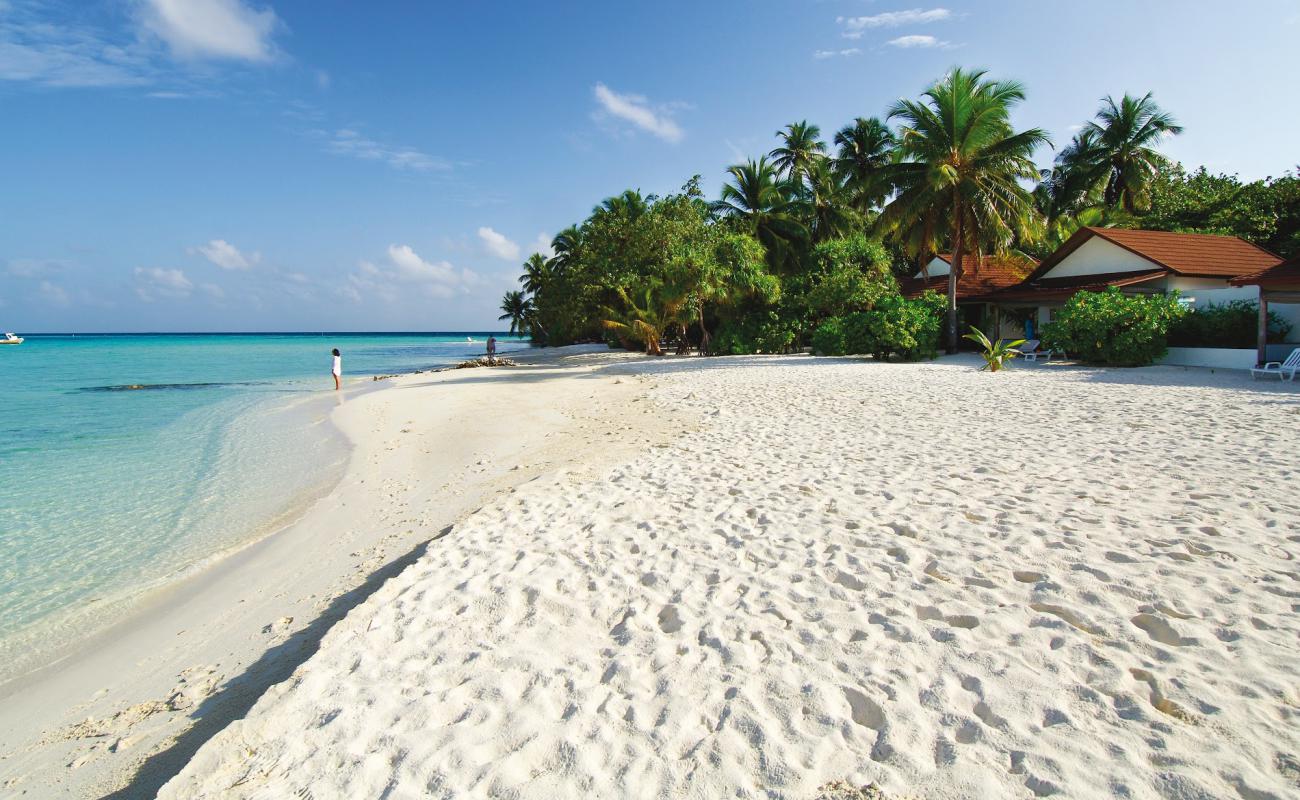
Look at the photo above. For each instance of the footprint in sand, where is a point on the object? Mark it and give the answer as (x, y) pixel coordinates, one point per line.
(863, 710)
(1161, 631)
(1158, 700)
(1027, 576)
(1069, 616)
(669, 620)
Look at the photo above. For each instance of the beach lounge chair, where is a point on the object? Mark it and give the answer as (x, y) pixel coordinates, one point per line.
(1285, 370)
(1030, 351)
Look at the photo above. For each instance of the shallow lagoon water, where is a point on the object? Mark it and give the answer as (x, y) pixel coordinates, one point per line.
(128, 460)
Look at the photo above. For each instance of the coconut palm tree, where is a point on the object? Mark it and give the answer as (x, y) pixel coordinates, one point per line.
(630, 203)
(565, 246)
(644, 320)
(825, 204)
(762, 205)
(1117, 150)
(801, 147)
(537, 273)
(519, 310)
(961, 166)
(865, 148)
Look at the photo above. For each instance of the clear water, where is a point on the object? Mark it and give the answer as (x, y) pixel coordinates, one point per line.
(107, 491)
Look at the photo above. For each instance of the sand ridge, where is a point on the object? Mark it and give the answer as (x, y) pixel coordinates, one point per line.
(1049, 582)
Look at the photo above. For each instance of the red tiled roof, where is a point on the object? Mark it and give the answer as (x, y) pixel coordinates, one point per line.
(1192, 254)
(1064, 288)
(989, 275)
(1285, 275)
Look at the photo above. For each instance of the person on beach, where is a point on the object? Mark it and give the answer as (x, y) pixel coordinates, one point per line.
(492, 349)
(337, 369)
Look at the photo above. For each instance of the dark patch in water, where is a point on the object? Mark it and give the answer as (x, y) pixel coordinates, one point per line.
(141, 387)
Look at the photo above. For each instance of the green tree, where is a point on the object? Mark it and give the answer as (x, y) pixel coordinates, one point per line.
(519, 310)
(961, 168)
(801, 147)
(1116, 151)
(864, 149)
(537, 273)
(758, 201)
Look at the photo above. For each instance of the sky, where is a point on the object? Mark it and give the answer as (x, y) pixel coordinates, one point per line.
(321, 165)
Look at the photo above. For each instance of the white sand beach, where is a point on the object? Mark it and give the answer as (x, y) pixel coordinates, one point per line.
(1051, 581)
(123, 713)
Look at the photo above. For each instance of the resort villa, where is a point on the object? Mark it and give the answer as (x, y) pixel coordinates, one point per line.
(1018, 296)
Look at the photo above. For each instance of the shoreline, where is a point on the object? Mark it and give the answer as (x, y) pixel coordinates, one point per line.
(197, 652)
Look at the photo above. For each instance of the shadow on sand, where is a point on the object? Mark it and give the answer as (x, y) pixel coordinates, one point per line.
(237, 695)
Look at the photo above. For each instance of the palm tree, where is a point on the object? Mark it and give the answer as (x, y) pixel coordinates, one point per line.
(961, 169)
(825, 204)
(660, 306)
(630, 203)
(537, 273)
(565, 245)
(762, 205)
(865, 148)
(519, 310)
(801, 148)
(1117, 150)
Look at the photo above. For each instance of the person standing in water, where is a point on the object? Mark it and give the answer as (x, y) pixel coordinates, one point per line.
(337, 369)
(492, 349)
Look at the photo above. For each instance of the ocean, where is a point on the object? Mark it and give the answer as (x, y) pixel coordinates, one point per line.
(127, 461)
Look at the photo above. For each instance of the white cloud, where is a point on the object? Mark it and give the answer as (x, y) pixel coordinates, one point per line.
(636, 110)
(821, 54)
(542, 244)
(212, 290)
(227, 256)
(438, 279)
(33, 267)
(153, 282)
(916, 41)
(37, 50)
(498, 245)
(347, 142)
(855, 26)
(212, 28)
(53, 294)
(323, 80)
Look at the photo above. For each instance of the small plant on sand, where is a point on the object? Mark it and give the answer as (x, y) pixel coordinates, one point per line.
(995, 354)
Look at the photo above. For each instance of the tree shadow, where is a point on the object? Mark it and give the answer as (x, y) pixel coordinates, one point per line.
(237, 695)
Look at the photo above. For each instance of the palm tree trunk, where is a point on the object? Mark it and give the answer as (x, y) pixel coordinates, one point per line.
(704, 332)
(954, 273)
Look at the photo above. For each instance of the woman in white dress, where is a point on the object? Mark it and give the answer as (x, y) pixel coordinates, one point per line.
(337, 368)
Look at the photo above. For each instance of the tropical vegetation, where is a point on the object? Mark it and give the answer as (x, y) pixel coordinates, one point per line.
(1113, 328)
(996, 354)
(804, 245)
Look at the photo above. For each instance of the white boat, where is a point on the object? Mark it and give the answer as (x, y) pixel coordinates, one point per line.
(10, 338)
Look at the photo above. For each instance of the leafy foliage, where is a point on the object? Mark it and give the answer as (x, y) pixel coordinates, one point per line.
(908, 329)
(1113, 328)
(995, 354)
(1264, 212)
(1231, 324)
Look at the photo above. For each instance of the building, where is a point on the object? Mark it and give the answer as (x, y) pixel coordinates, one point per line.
(981, 276)
(1279, 284)
(1202, 267)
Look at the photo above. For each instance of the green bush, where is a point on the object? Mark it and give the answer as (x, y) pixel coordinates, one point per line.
(908, 329)
(828, 339)
(1114, 328)
(1231, 324)
(754, 332)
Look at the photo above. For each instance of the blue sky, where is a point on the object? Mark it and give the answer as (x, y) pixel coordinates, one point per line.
(325, 165)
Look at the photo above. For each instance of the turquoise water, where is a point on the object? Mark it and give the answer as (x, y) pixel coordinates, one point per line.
(106, 491)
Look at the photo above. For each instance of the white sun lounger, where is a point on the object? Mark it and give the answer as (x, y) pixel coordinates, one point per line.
(1029, 351)
(1285, 370)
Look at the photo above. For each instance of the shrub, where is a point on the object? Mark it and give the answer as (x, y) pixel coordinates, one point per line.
(828, 339)
(908, 329)
(1231, 324)
(1113, 328)
(754, 332)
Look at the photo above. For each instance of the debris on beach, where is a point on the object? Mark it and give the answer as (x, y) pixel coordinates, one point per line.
(484, 361)
(842, 790)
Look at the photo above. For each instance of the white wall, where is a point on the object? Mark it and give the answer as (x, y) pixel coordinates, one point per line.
(1098, 256)
(937, 266)
(1217, 357)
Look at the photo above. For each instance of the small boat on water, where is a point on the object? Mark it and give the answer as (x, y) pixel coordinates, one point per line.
(10, 338)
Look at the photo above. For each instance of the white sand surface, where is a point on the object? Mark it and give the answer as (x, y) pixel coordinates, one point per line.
(1051, 581)
(123, 713)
